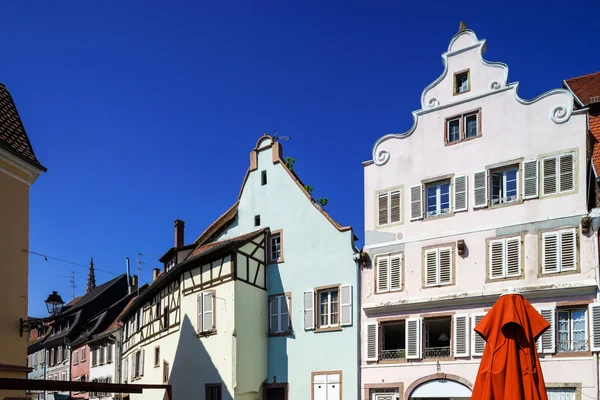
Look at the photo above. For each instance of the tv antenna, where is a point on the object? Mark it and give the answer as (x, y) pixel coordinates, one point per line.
(280, 138)
(71, 282)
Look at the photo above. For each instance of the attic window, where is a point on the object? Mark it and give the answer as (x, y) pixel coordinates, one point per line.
(256, 220)
(263, 178)
(462, 83)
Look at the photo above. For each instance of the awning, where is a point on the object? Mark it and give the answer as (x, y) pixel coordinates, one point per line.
(441, 388)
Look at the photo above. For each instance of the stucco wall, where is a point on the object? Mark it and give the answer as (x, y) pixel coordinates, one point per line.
(316, 254)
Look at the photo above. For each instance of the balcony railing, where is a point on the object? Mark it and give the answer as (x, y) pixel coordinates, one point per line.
(436, 352)
(393, 354)
(572, 346)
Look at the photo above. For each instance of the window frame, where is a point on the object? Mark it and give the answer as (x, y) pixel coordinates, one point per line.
(438, 183)
(166, 318)
(541, 235)
(325, 373)
(317, 305)
(457, 74)
(82, 355)
(541, 171)
(586, 331)
(389, 257)
(503, 169)
(200, 332)
(505, 276)
(424, 250)
(462, 129)
(166, 372)
(156, 356)
(388, 193)
(280, 296)
(272, 235)
(263, 178)
(208, 386)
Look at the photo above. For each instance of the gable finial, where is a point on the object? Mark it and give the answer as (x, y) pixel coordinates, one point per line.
(462, 26)
(91, 284)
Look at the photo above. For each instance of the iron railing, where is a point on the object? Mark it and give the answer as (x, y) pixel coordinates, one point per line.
(393, 354)
(572, 345)
(436, 352)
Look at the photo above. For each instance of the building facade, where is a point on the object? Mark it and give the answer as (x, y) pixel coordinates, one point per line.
(312, 280)
(36, 360)
(19, 169)
(485, 192)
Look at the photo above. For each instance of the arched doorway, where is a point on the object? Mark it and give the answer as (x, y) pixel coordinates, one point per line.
(439, 387)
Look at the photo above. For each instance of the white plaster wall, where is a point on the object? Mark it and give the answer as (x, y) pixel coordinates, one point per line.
(103, 371)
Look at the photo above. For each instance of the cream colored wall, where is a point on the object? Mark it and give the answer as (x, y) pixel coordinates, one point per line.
(251, 340)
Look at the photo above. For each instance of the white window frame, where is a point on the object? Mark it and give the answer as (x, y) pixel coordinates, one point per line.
(438, 197)
(559, 252)
(388, 258)
(504, 242)
(464, 121)
(503, 199)
(280, 299)
(82, 355)
(388, 194)
(272, 237)
(558, 173)
(465, 83)
(329, 313)
(201, 311)
(571, 329)
(438, 266)
(448, 121)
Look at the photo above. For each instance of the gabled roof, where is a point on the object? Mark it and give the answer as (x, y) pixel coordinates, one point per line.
(13, 137)
(585, 87)
(218, 224)
(88, 297)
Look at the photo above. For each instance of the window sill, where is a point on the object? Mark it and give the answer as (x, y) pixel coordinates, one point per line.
(439, 286)
(553, 274)
(479, 134)
(573, 354)
(432, 359)
(278, 261)
(401, 361)
(435, 217)
(275, 334)
(390, 291)
(329, 329)
(503, 205)
(206, 334)
(503, 279)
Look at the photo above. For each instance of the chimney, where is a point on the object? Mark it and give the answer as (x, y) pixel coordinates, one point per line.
(155, 273)
(91, 283)
(179, 225)
(134, 282)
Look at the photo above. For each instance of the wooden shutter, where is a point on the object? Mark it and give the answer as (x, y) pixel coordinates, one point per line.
(208, 312)
(548, 342)
(460, 193)
(461, 335)
(513, 257)
(346, 305)
(416, 202)
(309, 310)
(199, 308)
(134, 365)
(431, 267)
(382, 208)
(445, 265)
(142, 352)
(125, 367)
(594, 315)
(530, 179)
(478, 341)
(372, 342)
(568, 250)
(567, 177)
(496, 258)
(383, 266)
(396, 272)
(480, 192)
(413, 338)
(550, 262)
(395, 207)
(549, 176)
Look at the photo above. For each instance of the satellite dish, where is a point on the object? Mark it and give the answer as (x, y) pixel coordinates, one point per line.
(280, 138)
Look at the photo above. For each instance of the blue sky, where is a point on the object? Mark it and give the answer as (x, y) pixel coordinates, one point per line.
(146, 112)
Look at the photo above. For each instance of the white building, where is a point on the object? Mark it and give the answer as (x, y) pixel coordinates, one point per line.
(486, 191)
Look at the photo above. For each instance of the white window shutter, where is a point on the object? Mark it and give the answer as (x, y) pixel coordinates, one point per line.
(530, 179)
(142, 352)
(496, 258)
(309, 310)
(431, 267)
(513, 257)
(383, 267)
(395, 207)
(382, 208)
(478, 341)
(199, 313)
(461, 335)
(568, 250)
(133, 366)
(273, 305)
(594, 312)
(208, 312)
(372, 342)
(346, 305)
(550, 261)
(549, 176)
(460, 193)
(125, 362)
(548, 338)
(480, 192)
(567, 176)
(413, 338)
(396, 272)
(416, 202)
(445, 265)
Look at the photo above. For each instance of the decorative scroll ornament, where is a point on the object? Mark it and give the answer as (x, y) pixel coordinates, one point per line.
(433, 103)
(495, 85)
(380, 156)
(560, 113)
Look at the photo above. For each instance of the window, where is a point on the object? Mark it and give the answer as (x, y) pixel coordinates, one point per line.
(389, 273)
(393, 340)
(438, 198)
(504, 258)
(82, 351)
(437, 336)
(279, 314)
(276, 247)
(206, 313)
(165, 372)
(158, 310)
(156, 356)
(461, 82)
(558, 174)
(438, 265)
(52, 360)
(63, 376)
(76, 357)
(256, 220)
(102, 351)
(275, 391)
(462, 127)
(263, 178)
(561, 393)
(137, 364)
(572, 332)
(504, 185)
(59, 355)
(327, 385)
(454, 130)
(212, 391)
(389, 207)
(328, 311)
(166, 321)
(94, 358)
(471, 125)
(109, 353)
(170, 264)
(559, 251)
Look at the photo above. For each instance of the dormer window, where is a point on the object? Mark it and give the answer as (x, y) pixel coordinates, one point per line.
(461, 82)
(170, 264)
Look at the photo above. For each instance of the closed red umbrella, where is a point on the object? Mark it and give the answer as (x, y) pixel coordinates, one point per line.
(510, 367)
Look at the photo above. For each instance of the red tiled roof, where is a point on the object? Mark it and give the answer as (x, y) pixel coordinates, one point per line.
(13, 137)
(595, 130)
(218, 224)
(585, 87)
(201, 249)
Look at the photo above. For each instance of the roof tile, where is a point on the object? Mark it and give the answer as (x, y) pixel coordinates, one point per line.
(586, 87)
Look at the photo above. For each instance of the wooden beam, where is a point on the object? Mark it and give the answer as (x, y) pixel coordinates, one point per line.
(66, 386)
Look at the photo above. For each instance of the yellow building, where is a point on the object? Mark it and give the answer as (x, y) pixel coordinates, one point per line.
(19, 168)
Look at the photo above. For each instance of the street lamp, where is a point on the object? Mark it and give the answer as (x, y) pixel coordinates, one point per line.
(54, 304)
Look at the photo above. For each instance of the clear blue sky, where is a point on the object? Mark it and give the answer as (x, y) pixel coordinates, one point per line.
(146, 112)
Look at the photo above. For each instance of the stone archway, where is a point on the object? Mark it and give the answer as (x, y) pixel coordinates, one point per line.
(435, 377)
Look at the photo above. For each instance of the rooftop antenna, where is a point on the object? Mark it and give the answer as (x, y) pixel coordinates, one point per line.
(280, 138)
(71, 283)
(139, 269)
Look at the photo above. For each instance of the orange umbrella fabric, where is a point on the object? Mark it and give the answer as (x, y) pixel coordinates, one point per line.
(510, 367)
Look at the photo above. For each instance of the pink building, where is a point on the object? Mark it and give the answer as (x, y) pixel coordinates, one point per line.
(484, 193)
(80, 368)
